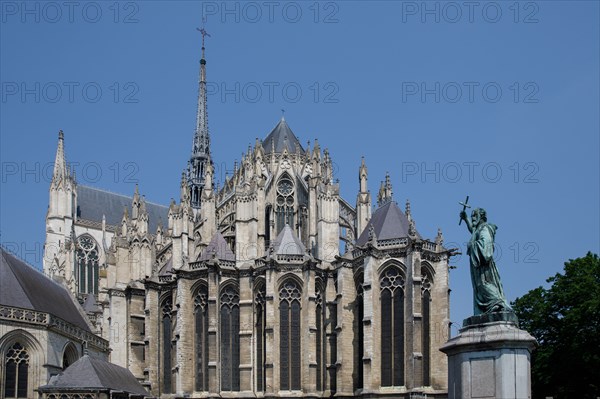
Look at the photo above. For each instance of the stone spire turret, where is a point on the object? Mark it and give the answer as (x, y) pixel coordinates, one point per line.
(363, 200)
(200, 157)
(385, 191)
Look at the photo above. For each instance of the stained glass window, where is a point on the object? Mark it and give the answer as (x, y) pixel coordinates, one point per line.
(230, 339)
(16, 372)
(392, 327)
(289, 339)
(87, 265)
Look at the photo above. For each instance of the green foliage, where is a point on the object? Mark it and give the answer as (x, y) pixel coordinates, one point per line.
(565, 319)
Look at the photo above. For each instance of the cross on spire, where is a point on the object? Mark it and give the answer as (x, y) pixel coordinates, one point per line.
(203, 32)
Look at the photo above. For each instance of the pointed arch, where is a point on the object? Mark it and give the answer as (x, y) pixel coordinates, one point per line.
(70, 355)
(229, 305)
(391, 283)
(290, 301)
(19, 350)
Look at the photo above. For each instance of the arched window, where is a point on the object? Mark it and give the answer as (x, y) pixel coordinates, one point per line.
(259, 308)
(320, 337)
(70, 355)
(87, 265)
(285, 203)
(230, 339)
(392, 327)
(426, 328)
(16, 367)
(167, 308)
(201, 338)
(289, 335)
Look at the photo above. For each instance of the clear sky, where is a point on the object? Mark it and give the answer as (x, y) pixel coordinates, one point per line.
(495, 100)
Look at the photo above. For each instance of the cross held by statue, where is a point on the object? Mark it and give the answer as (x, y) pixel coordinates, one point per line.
(465, 206)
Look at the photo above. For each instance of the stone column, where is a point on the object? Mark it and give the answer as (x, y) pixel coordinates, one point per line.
(152, 339)
(213, 328)
(246, 331)
(345, 334)
(185, 333)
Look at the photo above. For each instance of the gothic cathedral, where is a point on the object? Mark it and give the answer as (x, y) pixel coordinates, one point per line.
(271, 285)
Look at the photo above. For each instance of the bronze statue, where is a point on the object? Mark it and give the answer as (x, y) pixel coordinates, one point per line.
(488, 295)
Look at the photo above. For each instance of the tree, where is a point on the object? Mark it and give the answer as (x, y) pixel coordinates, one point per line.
(565, 320)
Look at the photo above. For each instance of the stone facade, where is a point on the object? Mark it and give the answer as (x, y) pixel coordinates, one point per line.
(269, 286)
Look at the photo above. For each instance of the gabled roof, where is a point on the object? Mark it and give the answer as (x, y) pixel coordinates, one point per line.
(92, 203)
(282, 137)
(388, 222)
(287, 243)
(89, 373)
(22, 286)
(217, 248)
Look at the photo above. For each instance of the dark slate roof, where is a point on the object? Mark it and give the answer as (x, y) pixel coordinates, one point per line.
(282, 136)
(219, 248)
(388, 221)
(92, 203)
(22, 286)
(287, 243)
(89, 373)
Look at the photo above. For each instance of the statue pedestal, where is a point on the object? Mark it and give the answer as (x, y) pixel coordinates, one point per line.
(490, 358)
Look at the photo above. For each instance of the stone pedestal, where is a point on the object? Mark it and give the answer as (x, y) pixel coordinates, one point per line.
(490, 358)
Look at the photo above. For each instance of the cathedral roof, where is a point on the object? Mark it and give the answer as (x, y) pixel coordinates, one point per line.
(287, 243)
(388, 222)
(22, 286)
(92, 203)
(89, 373)
(282, 137)
(217, 248)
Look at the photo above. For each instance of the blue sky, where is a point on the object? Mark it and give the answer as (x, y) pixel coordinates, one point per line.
(495, 100)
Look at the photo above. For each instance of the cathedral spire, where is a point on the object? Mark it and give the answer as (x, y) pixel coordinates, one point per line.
(60, 173)
(201, 144)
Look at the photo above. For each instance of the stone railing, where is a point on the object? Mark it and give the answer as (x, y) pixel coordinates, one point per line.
(430, 246)
(290, 258)
(24, 315)
(53, 323)
(392, 242)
